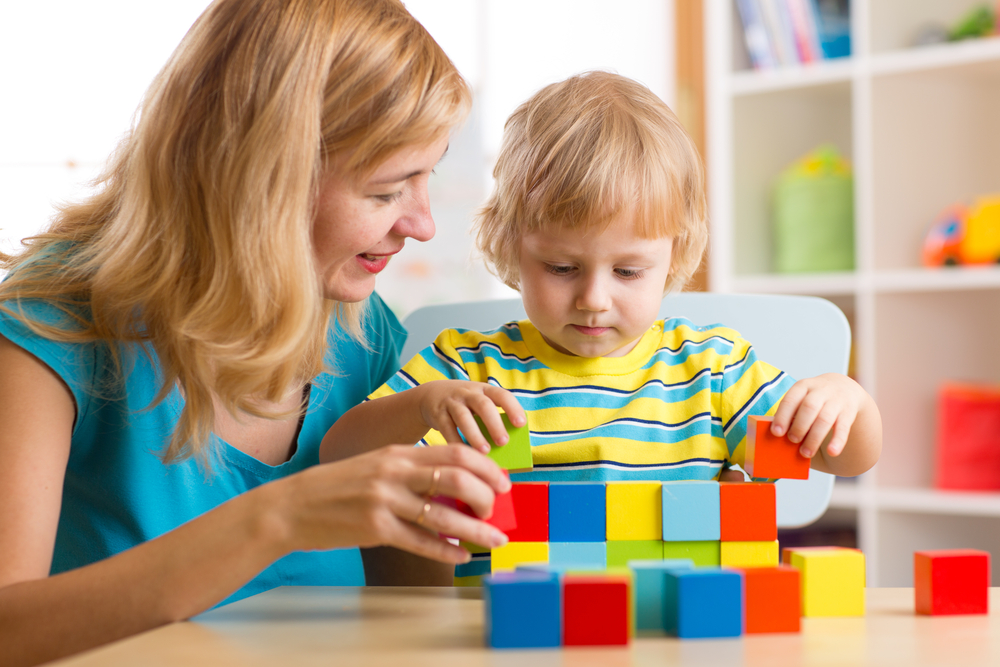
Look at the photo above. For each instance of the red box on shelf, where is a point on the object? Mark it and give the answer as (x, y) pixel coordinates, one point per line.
(968, 437)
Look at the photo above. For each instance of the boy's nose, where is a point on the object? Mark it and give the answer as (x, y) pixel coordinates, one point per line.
(594, 296)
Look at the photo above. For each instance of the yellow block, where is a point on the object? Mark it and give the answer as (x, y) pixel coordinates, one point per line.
(749, 554)
(833, 581)
(512, 554)
(634, 511)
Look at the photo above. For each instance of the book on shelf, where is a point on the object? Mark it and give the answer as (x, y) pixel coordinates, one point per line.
(779, 33)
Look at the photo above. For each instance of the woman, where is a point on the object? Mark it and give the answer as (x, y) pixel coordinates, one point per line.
(174, 348)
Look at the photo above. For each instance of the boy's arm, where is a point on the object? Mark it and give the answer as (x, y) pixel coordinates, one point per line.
(405, 417)
(836, 422)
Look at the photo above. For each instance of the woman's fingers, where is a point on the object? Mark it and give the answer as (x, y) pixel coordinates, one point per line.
(440, 518)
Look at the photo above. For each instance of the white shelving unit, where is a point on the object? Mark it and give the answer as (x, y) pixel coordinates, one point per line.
(922, 129)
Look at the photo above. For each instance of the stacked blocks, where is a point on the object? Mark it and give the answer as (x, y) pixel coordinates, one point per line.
(749, 527)
(512, 554)
(772, 599)
(596, 609)
(953, 581)
(749, 554)
(768, 456)
(531, 510)
(634, 511)
(833, 580)
(690, 511)
(703, 602)
(523, 610)
(591, 555)
(577, 512)
(650, 577)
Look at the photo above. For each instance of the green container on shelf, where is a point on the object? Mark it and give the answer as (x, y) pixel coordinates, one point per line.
(814, 214)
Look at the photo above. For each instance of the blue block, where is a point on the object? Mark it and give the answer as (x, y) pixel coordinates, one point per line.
(523, 609)
(579, 554)
(577, 512)
(649, 577)
(703, 602)
(691, 511)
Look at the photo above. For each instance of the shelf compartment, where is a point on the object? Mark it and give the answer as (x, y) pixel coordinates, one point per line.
(823, 72)
(770, 132)
(949, 278)
(938, 56)
(936, 142)
(922, 340)
(842, 283)
(894, 24)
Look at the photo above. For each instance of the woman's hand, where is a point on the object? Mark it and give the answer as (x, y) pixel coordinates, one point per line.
(383, 498)
(452, 405)
(835, 410)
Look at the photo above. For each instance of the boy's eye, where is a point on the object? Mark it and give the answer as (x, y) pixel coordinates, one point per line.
(629, 274)
(559, 269)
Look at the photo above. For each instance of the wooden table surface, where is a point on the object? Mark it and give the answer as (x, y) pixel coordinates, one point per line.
(401, 627)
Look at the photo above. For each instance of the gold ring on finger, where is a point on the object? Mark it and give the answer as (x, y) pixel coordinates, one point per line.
(435, 479)
(423, 513)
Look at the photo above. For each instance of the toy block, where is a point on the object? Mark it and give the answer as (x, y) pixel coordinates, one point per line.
(620, 552)
(690, 511)
(577, 512)
(703, 602)
(770, 456)
(833, 581)
(579, 554)
(531, 510)
(786, 553)
(703, 553)
(515, 456)
(772, 598)
(523, 610)
(503, 517)
(596, 609)
(952, 581)
(649, 577)
(749, 554)
(748, 512)
(634, 511)
(512, 554)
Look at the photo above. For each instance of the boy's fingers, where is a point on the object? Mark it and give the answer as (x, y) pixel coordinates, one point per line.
(467, 424)
(509, 403)
(786, 409)
(841, 431)
(486, 409)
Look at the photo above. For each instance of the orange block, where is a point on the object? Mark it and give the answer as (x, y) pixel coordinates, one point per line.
(772, 599)
(748, 512)
(769, 456)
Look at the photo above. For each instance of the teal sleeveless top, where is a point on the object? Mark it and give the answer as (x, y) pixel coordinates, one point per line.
(117, 491)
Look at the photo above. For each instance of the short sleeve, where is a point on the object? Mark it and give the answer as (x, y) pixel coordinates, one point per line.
(438, 361)
(749, 387)
(75, 363)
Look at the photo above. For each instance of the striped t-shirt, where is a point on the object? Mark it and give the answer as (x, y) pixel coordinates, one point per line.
(675, 407)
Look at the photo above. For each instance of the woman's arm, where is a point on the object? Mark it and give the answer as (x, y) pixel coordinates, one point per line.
(367, 501)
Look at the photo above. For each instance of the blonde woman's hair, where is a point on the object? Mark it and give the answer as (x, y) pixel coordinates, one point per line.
(198, 244)
(591, 151)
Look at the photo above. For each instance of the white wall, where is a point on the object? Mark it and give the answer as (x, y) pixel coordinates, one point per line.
(74, 72)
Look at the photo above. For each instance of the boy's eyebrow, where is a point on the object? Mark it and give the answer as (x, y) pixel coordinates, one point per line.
(400, 179)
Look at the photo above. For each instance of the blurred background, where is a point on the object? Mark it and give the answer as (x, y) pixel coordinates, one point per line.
(852, 150)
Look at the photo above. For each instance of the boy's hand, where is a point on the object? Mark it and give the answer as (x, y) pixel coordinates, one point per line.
(450, 405)
(817, 408)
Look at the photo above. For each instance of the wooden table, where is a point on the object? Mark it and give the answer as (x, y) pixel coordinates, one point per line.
(402, 627)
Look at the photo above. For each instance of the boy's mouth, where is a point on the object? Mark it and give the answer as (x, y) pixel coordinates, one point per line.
(591, 331)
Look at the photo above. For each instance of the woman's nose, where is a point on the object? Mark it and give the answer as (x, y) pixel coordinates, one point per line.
(417, 222)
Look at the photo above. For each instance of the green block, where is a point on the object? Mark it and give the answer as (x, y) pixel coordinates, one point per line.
(516, 454)
(703, 553)
(621, 552)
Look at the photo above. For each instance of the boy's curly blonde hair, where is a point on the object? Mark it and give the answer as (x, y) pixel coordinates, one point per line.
(588, 152)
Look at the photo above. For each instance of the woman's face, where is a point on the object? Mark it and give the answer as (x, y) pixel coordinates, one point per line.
(360, 224)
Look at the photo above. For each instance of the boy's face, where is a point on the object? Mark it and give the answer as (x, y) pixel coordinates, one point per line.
(593, 294)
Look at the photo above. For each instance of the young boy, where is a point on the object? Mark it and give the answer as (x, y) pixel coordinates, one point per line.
(598, 211)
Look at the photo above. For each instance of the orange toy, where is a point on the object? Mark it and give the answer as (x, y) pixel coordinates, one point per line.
(769, 456)
(747, 512)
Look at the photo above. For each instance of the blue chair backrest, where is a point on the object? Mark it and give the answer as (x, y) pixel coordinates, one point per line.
(804, 336)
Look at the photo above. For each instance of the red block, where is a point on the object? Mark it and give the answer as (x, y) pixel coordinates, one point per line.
(595, 610)
(503, 512)
(531, 509)
(747, 511)
(951, 581)
(768, 456)
(968, 437)
(771, 598)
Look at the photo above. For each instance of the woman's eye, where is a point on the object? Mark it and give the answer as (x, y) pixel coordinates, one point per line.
(389, 198)
(629, 274)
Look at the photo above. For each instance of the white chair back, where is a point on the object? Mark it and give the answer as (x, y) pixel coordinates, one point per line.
(802, 335)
